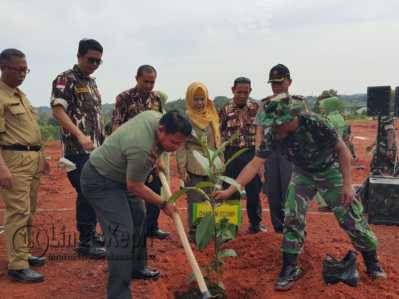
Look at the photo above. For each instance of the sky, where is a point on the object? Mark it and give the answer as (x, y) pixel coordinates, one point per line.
(346, 45)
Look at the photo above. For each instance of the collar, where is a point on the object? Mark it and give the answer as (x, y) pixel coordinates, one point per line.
(9, 90)
(79, 73)
(238, 107)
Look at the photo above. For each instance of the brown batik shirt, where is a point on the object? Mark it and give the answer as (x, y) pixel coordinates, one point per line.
(234, 118)
(132, 102)
(79, 96)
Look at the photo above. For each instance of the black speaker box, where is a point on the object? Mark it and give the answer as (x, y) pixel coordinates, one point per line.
(396, 106)
(378, 100)
(383, 205)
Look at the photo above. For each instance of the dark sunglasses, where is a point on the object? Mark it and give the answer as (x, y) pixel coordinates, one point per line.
(96, 61)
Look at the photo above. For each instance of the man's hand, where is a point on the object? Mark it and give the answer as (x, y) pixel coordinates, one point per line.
(347, 196)
(169, 209)
(222, 195)
(86, 142)
(5, 178)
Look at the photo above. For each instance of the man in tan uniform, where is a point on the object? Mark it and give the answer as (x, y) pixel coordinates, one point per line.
(21, 162)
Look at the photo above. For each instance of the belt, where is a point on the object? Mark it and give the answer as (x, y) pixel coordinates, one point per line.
(20, 147)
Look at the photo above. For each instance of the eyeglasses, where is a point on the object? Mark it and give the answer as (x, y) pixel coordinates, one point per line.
(96, 61)
(18, 69)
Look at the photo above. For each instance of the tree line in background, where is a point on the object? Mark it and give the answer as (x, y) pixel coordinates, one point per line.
(354, 107)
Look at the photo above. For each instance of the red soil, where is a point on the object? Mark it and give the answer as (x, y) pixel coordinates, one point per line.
(250, 275)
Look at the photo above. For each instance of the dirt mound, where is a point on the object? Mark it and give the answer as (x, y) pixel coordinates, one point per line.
(250, 275)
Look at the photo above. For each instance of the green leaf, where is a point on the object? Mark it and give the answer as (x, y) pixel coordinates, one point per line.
(228, 253)
(233, 182)
(205, 230)
(235, 156)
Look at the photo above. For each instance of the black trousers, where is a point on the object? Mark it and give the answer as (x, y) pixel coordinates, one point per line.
(86, 220)
(152, 211)
(253, 188)
(278, 172)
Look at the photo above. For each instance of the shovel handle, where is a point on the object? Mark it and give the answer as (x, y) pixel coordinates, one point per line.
(186, 245)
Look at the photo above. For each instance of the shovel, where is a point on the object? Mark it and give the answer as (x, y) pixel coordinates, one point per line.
(186, 245)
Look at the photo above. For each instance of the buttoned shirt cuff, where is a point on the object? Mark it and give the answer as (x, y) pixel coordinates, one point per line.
(59, 101)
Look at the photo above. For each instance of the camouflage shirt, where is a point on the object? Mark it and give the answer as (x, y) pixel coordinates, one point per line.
(79, 96)
(132, 102)
(311, 147)
(233, 118)
(382, 161)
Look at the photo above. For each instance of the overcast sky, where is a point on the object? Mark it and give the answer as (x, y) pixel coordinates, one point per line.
(342, 44)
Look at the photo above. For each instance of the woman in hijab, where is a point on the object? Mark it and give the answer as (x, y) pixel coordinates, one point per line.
(204, 118)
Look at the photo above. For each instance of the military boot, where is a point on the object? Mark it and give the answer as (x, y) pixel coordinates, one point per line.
(290, 272)
(374, 269)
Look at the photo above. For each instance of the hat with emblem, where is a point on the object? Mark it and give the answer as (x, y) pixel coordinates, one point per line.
(278, 73)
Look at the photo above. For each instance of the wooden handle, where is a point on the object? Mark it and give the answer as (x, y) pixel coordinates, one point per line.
(186, 245)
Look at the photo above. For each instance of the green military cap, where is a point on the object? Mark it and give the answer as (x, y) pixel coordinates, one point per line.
(277, 112)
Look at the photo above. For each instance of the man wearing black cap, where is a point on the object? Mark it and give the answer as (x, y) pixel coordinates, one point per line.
(278, 168)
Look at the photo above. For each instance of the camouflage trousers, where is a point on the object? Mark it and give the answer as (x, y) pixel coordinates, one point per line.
(303, 187)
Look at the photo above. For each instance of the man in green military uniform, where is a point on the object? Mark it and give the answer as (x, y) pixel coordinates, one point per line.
(21, 163)
(76, 105)
(321, 164)
(114, 178)
(278, 168)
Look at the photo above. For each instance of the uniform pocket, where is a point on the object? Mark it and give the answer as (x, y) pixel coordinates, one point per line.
(16, 109)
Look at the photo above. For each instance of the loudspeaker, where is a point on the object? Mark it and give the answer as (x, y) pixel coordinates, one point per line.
(383, 200)
(396, 105)
(378, 100)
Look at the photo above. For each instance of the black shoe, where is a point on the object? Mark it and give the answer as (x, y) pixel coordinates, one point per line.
(91, 251)
(345, 270)
(289, 273)
(99, 240)
(145, 274)
(374, 269)
(254, 229)
(159, 234)
(36, 261)
(25, 276)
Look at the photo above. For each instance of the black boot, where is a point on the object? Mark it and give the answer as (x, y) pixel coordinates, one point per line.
(289, 273)
(374, 269)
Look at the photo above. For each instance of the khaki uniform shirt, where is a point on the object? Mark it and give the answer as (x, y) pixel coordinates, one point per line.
(18, 121)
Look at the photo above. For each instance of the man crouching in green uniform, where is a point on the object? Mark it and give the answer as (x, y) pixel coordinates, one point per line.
(321, 164)
(113, 180)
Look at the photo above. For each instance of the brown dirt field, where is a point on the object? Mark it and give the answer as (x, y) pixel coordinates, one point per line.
(250, 275)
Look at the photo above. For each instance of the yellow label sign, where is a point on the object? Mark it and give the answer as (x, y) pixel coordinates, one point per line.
(230, 210)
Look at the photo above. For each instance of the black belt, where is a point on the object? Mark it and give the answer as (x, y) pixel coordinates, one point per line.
(20, 147)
